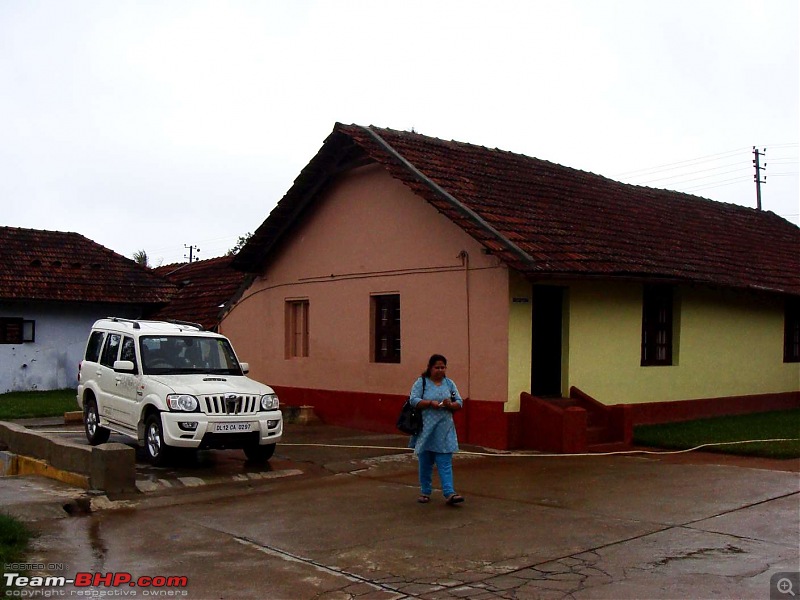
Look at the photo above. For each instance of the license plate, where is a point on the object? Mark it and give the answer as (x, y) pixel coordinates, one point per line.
(231, 427)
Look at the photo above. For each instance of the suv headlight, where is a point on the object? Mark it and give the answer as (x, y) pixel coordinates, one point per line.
(269, 402)
(182, 402)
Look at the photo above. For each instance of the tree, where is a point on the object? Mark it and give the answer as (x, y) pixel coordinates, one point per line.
(243, 239)
(140, 257)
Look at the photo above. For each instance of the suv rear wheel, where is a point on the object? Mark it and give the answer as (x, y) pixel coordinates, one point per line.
(154, 445)
(91, 423)
(259, 453)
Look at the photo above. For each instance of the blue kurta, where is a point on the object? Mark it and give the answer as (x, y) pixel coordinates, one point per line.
(438, 429)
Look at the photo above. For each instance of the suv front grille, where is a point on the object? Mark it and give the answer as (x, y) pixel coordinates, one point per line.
(230, 404)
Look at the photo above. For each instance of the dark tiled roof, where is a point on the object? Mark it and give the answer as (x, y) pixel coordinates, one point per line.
(204, 286)
(546, 220)
(67, 267)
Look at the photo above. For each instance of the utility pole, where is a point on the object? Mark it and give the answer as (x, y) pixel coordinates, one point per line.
(192, 251)
(758, 180)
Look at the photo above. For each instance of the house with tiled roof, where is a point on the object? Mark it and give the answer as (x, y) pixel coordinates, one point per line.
(204, 288)
(570, 306)
(53, 286)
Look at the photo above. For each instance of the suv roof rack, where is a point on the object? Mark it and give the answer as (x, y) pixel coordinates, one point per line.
(137, 325)
(186, 323)
(121, 320)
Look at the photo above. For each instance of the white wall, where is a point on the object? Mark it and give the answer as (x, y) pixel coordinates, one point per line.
(51, 361)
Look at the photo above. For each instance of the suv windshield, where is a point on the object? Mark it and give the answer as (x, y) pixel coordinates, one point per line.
(185, 355)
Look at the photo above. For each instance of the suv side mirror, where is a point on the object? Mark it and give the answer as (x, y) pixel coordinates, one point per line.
(124, 366)
(245, 367)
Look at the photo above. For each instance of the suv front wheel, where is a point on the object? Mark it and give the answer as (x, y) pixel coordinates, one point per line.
(91, 424)
(259, 454)
(154, 445)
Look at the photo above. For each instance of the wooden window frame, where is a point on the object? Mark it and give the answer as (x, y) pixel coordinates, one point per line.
(16, 330)
(658, 307)
(791, 331)
(297, 330)
(386, 328)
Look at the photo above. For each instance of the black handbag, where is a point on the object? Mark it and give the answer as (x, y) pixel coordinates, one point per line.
(410, 419)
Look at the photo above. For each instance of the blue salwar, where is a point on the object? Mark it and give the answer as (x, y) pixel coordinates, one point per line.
(437, 441)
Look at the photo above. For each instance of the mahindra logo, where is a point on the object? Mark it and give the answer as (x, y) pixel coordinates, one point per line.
(231, 404)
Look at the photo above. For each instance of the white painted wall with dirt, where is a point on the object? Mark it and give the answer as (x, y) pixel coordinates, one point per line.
(50, 362)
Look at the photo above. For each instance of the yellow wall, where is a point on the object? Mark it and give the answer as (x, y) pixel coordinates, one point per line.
(725, 343)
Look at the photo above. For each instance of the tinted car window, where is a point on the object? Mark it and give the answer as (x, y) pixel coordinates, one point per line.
(110, 350)
(185, 355)
(128, 351)
(94, 346)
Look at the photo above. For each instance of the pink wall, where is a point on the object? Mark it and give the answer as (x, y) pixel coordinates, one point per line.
(370, 234)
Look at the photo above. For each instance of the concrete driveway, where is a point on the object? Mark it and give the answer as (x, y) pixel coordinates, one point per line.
(326, 522)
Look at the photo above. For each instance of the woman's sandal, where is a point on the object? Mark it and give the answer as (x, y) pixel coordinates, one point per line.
(423, 499)
(455, 499)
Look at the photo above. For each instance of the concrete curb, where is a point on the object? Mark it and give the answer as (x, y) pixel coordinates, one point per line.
(299, 415)
(73, 417)
(108, 467)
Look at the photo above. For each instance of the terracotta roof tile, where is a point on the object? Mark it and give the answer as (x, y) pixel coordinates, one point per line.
(545, 219)
(204, 286)
(67, 267)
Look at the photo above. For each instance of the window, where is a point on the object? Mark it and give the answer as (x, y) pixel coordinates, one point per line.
(110, 350)
(386, 328)
(791, 332)
(94, 346)
(128, 351)
(296, 328)
(657, 326)
(187, 355)
(16, 330)
(28, 331)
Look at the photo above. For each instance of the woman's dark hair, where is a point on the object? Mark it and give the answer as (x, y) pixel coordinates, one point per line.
(432, 361)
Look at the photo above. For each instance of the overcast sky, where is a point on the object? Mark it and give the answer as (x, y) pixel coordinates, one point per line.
(155, 125)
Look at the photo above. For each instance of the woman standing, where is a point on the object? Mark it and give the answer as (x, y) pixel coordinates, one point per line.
(438, 398)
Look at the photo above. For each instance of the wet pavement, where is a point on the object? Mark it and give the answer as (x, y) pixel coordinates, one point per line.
(333, 522)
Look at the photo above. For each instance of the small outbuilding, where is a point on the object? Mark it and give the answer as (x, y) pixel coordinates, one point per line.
(53, 286)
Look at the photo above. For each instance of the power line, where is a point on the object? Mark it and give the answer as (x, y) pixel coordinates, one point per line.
(672, 166)
(696, 178)
(633, 176)
(711, 185)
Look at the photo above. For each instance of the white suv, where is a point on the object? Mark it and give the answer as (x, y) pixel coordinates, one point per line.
(173, 385)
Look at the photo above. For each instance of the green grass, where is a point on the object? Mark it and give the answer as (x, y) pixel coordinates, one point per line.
(14, 540)
(20, 405)
(757, 426)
